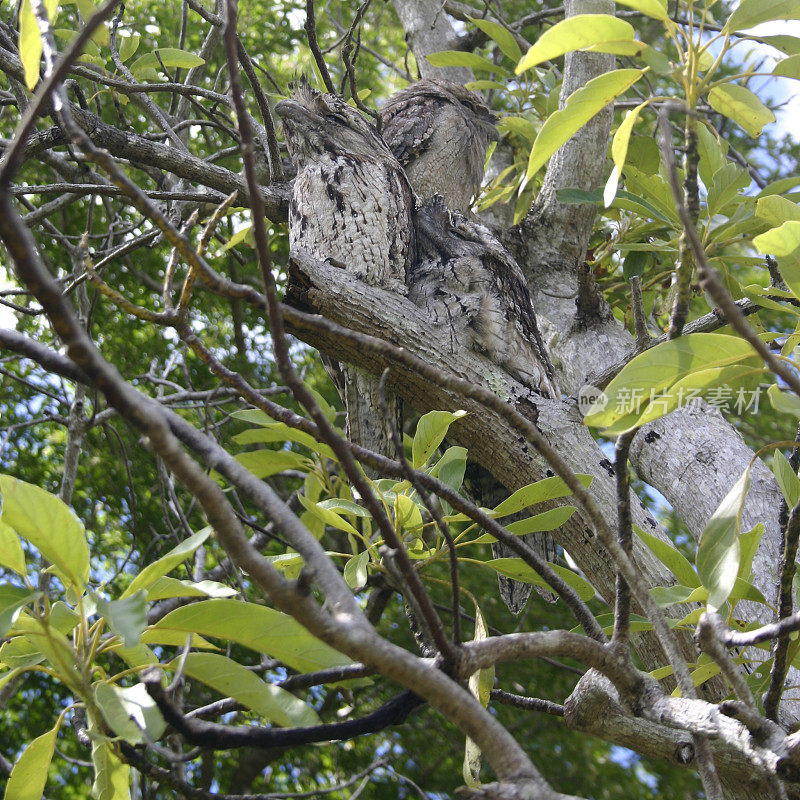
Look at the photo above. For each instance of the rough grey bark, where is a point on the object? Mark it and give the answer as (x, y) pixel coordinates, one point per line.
(550, 247)
(510, 457)
(428, 30)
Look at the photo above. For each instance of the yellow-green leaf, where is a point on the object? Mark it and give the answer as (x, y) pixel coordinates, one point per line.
(431, 430)
(787, 479)
(50, 526)
(29, 775)
(112, 777)
(781, 241)
(581, 106)
(775, 210)
(644, 381)
(231, 679)
(742, 106)
(262, 629)
(546, 489)
(169, 56)
(718, 552)
(11, 554)
(785, 402)
(671, 558)
(355, 570)
(406, 513)
(575, 33)
(619, 151)
(518, 570)
(546, 521)
(128, 46)
(652, 8)
(30, 40)
(460, 58)
(501, 36)
(327, 515)
(167, 562)
(753, 12)
(129, 711)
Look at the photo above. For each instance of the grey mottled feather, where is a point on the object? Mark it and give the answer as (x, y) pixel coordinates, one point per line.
(440, 131)
(468, 282)
(465, 279)
(351, 204)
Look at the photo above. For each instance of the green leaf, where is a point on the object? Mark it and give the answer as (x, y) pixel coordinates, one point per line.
(266, 463)
(726, 186)
(233, 680)
(667, 596)
(127, 617)
(327, 515)
(719, 552)
(167, 562)
(112, 777)
(775, 210)
(100, 35)
(11, 554)
(788, 68)
(652, 8)
(406, 513)
(30, 40)
(128, 46)
(501, 36)
(481, 683)
(742, 106)
(518, 570)
(784, 402)
(575, 33)
(781, 241)
(12, 600)
(519, 125)
(355, 570)
(50, 526)
(787, 479)
(671, 558)
(431, 430)
(164, 588)
(485, 86)
(581, 106)
(280, 432)
(786, 44)
(257, 627)
(458, 58)
(129, 711)
(20, 653)
(712, 151)
(170, 56)
(748, 546)
(344, 506)
(450, 468)
(619, 150)
(63, 618)
(693, 362)
(546, 521)
(753, 12)
(546, 489)
(29, 775)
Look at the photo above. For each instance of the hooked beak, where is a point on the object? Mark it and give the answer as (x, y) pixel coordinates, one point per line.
(291, 111)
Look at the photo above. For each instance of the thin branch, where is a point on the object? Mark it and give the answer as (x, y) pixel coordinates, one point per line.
(311, 32)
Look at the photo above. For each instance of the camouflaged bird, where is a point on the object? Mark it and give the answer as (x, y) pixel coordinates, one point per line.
(351, 204)
(466, 281)
(440, 132)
